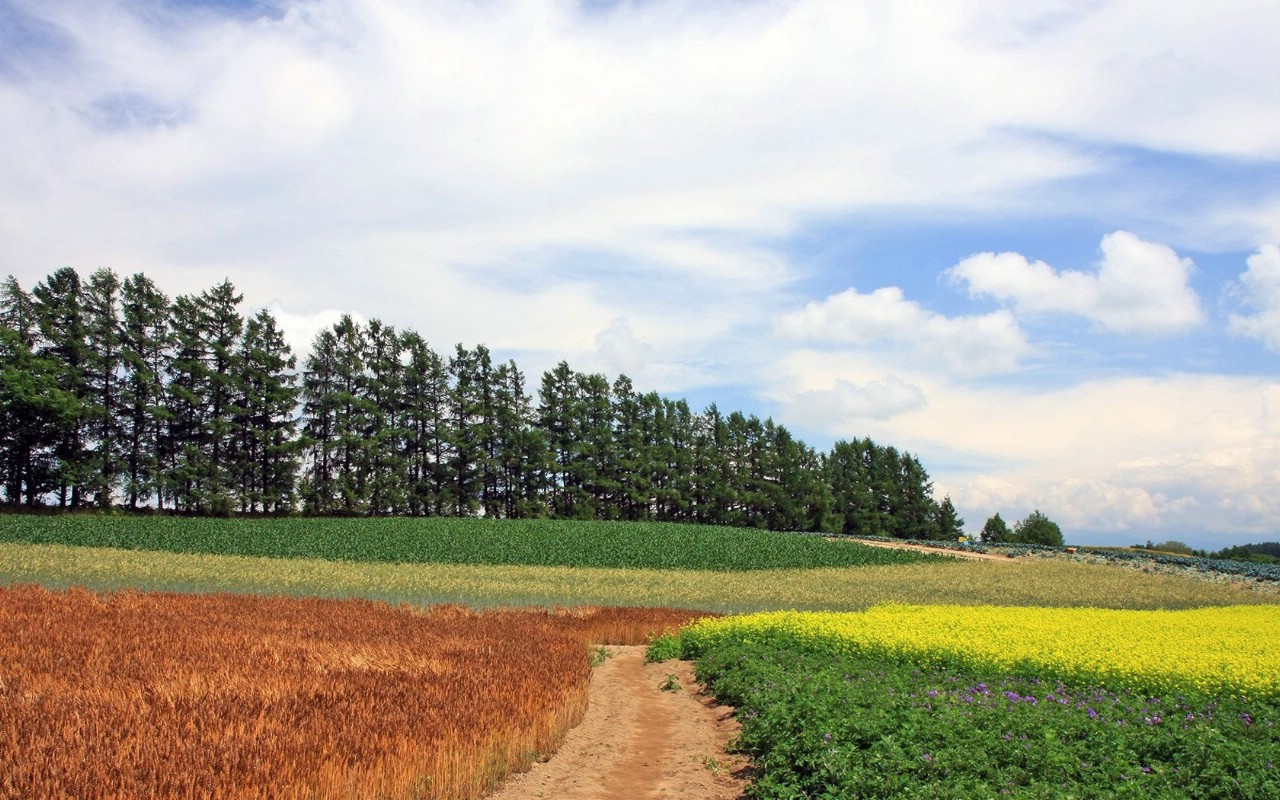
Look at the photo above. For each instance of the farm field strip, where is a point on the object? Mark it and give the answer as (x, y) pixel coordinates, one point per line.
(935, 702)
(1032, 582)
(446, 540)
(1205, 651)
(125, 695)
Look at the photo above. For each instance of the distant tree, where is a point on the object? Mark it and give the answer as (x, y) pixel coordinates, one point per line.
(996, 531)
(949, 525)
(1263, 553)
(1171, 546)
(1038, 529)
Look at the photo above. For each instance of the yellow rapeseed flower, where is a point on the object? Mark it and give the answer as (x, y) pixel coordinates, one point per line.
(1230, 649)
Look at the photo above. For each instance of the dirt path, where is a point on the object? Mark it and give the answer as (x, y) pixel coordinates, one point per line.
(941, 551)
(638, 741)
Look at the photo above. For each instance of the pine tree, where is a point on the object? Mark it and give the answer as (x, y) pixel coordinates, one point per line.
(145, 352)
(18, 312)
(996, 531)
(471, 430)
(61, 321)
(517, 455)
(35, 414)
(425, 391)
(557, 415)
(632, 441)
(386, 433)
(103, 383)
(320, 425)
(265, 434)
(950, 526)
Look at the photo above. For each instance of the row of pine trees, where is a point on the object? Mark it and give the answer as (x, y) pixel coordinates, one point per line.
(113, 394)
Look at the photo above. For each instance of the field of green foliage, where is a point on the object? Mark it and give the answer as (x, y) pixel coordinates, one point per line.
(451, 540)
(952, 702)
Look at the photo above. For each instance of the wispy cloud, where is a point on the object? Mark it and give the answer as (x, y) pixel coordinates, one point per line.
(1260, 288)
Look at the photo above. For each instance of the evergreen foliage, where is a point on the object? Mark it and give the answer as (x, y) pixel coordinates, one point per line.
(115, 395)
(996, 530)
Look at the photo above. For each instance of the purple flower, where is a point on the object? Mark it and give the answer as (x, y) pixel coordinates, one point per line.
(933, 692)
(927, 757)
(1012, 696)
(826, 737)
(1246, 718)
(1093, 714)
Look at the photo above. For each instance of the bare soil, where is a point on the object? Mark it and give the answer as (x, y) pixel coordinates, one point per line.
(639, 740)
(942, 551)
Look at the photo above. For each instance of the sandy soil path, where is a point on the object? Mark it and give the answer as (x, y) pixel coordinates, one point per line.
(638, 741)
(937, 550)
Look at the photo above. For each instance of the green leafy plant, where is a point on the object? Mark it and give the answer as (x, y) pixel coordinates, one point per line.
(827, 725)
(664, 648)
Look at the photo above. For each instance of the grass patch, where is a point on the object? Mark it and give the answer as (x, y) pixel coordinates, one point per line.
(441, 540)
(1030, 583)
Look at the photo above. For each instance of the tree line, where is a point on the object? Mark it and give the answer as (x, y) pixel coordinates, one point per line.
(114, 395)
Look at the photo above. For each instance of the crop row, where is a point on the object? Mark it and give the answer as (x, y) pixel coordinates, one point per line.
(441, 540)
(1205, 652)
(126, 695)
(1040, 582)
(866, 725)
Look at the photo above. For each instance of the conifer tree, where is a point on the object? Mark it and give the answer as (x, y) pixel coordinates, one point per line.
(266, 444)
(145, 352)
(60, 318)
(103, 384)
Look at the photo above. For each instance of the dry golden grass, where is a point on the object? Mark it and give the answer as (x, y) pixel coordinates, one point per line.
(130, 695)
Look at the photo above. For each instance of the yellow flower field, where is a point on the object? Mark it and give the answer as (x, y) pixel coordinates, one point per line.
(1231, 649)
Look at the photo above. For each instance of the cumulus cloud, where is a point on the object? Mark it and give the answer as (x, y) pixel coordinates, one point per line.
(1190, 456)
(849, 402)
(1138, 286)
(972, 345)
(1260, 287)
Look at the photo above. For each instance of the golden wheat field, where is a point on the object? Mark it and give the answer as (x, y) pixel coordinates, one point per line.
(131, 695)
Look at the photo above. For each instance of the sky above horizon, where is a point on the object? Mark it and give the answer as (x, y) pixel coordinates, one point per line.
(1034, 242)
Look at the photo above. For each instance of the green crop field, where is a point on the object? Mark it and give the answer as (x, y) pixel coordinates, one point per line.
(440, 540)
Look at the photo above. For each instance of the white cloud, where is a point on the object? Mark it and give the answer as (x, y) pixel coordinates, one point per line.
(1260, 285)
(1183, 455)
(851, 402)
(525, 173)
(1194, 457)
(971, 345)
(1139, 286)
(300, 330)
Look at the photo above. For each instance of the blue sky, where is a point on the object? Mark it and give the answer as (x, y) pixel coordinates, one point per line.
(1033, 242)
